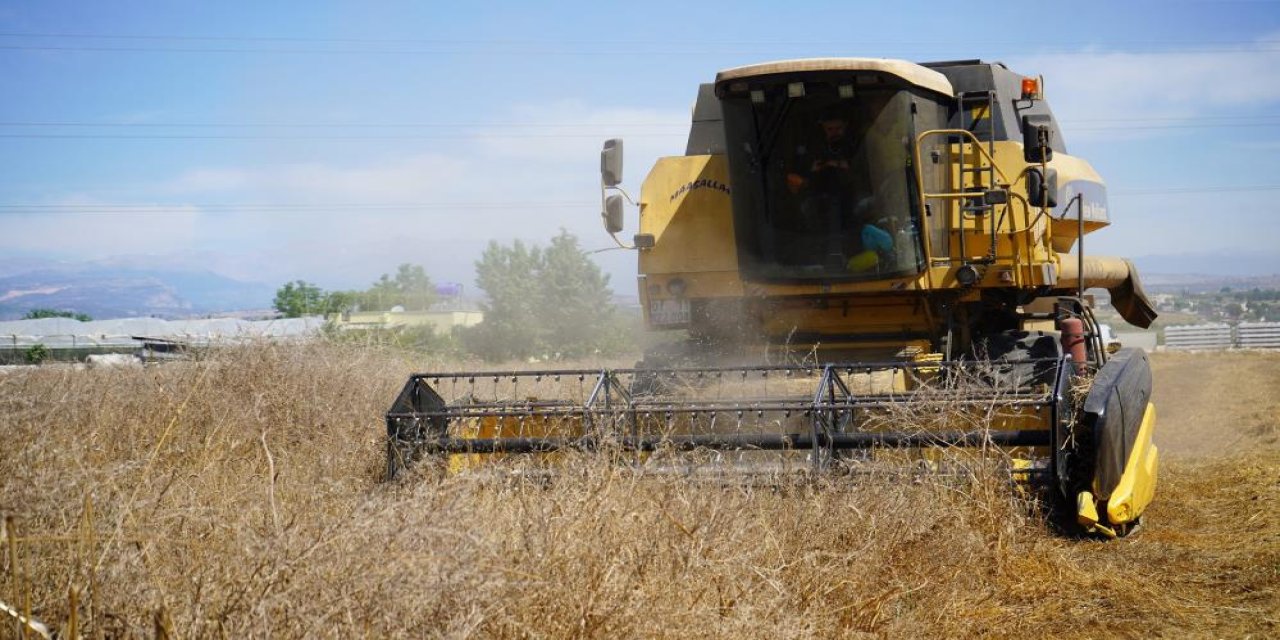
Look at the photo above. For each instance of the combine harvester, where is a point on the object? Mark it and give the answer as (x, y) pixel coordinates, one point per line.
(869, 259)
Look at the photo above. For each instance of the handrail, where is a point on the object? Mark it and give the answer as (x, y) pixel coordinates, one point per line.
(924, 197)
(1030, 216)
(919, 174)
(977, 144)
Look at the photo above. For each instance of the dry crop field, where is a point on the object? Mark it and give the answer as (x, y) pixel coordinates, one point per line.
(240, 497)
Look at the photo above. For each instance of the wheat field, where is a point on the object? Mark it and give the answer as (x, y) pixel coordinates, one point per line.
(240, 496)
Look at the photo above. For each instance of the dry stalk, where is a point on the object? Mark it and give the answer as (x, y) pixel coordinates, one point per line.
(326, 550)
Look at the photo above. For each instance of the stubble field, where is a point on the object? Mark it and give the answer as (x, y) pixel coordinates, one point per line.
(240, 496)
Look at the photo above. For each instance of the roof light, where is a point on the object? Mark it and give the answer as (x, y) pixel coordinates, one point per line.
(757, 96)
(1030, 89)
(846, 91)
(795, 90)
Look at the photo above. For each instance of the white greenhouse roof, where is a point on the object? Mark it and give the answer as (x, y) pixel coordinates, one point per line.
(63, 332)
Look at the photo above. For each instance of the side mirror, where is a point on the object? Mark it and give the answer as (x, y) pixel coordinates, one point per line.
(1042, 191)
(995, 196)
(612, 213)
(1037, 139)
(611, 162)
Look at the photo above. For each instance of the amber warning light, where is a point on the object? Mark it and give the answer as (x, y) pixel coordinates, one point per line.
(1030, 89)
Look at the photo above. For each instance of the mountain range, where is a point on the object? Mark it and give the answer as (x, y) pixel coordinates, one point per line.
(183, 286)
(123, 288)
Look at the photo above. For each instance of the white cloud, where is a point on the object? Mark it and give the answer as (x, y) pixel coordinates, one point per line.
(555, 162)
(208, 180)
(514, 181)
(569, 131)
(406, 179)
(1088, 86)
(91, 228)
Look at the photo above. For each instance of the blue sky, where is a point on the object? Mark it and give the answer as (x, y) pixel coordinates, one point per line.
(333, 140)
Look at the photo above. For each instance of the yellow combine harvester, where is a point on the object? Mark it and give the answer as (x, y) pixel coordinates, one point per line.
(846, 243)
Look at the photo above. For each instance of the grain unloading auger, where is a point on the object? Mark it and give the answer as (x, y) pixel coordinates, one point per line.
(906, 229)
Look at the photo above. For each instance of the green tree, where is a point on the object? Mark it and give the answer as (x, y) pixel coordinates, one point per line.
(575, 305)
(509, 275)
(381, 296)
(417, 291)
(1261, 310)
(339, 301)
(36, 314)
(551, 302)
(36, 354)
(410, 288)
(299, 298)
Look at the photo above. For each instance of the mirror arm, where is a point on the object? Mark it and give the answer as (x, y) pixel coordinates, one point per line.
(604, 192)
(621, 245)
(625, 195)
(610, 179)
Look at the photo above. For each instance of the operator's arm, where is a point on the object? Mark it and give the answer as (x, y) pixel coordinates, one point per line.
(795, 182)
(800, 166)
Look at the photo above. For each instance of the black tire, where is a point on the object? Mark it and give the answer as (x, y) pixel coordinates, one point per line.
(1019, 359)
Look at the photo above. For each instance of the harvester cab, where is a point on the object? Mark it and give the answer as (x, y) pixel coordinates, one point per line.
(844, 242)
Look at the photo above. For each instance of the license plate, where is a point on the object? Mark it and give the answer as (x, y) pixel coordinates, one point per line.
(669, 312)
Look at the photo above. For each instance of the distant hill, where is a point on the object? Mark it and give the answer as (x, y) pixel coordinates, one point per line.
(1209, 271)
(107, 291)
(1240, 264)
(176, 286)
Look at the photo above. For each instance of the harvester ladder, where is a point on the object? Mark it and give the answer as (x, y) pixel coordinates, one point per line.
(979, 105)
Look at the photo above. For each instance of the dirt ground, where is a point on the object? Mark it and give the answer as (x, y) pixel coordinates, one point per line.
(1216, 404)
(1212, 537)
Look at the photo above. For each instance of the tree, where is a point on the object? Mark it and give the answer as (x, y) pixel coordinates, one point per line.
(575, 304)
(299, 298)
(509, 275)
(36, 354)
(410, 288)
(36, 314)
(551, 302)
(339, 301)
(416, 290)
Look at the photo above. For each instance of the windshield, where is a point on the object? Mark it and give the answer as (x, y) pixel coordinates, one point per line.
(823, 186)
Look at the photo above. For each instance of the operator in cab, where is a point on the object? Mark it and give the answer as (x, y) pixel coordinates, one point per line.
(829, 176)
